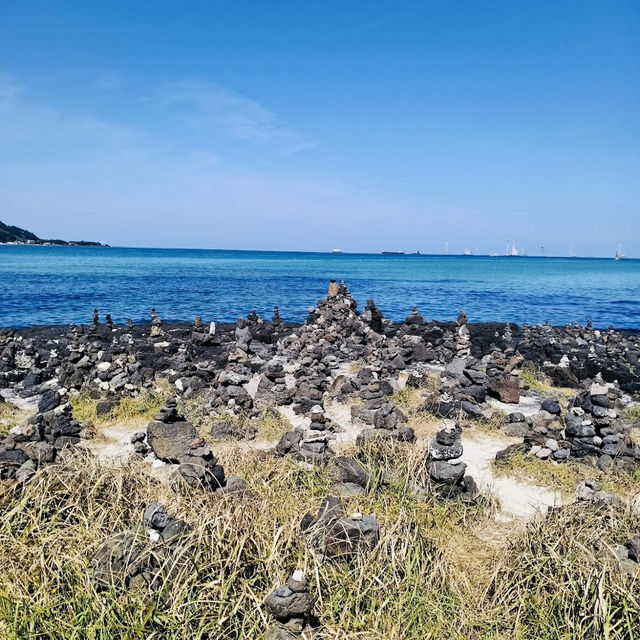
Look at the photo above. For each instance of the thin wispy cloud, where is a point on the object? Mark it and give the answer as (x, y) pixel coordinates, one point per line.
(64, 173)
(203, 105)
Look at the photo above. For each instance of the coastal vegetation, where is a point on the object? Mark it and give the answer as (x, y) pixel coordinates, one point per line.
(435, 573)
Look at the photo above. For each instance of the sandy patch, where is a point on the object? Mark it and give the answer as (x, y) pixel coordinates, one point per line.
(517, 499)
(29, 404)
(528, 406)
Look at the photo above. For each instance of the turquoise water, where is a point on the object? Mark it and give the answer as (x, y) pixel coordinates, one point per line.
(60, 285)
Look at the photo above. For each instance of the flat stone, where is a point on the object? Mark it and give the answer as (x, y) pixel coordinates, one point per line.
(171, 441)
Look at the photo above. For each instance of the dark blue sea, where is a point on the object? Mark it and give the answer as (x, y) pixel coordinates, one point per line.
(61, 285)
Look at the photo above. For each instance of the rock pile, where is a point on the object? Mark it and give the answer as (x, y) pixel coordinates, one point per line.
(272, 387)
(291, 606)
(142, 558)
(594, 428)
(172, 439)
(228, 390)
(202, 335)
(156, 325)
(40, 441)
(339, 535)
(349, 478)
(304, 446)
(463, 337)
(169, 435)
(444, 466)
(160, 525)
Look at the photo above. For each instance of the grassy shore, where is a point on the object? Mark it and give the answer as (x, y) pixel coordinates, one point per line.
(442, 569)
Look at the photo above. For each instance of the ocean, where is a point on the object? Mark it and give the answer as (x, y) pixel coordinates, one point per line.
(42, 285)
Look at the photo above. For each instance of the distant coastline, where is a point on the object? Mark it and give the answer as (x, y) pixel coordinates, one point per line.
(11, 235)
(337, 254)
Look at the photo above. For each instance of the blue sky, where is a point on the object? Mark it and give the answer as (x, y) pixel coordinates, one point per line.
(313, 125)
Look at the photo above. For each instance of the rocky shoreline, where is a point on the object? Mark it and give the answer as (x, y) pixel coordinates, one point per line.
(341, 361)
(337, 353)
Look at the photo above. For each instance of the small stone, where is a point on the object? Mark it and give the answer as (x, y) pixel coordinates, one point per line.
(552, 406)
(605, 462)
(49, 401)
(633, 547)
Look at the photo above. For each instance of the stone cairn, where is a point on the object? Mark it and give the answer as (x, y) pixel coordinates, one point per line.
(443, 464)
(507, 338)
(142, 558)
(413, 322)
(339, 535)
(156, 325)
(229, 391)
(291, 606)
(172, 439)
(594, 428)
(306, 447)
(108, 322)
(95, 322)
(243, 337)
(201, 334)
(411, 341)
(272, 388)
(384, 416)
(463, 337)
(162, 526)
(374, 395)
(276, 321)
(310, 444)
(372, 317)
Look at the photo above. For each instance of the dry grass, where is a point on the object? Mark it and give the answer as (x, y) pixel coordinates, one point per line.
(436, 573)
(197, 409)
(566, 475)
(272, 425)
(495, 422)
(10, 416)
(355, 365)
(632, 416)
(408, 398)
(424, 423)
(140, 407)
(541, 383)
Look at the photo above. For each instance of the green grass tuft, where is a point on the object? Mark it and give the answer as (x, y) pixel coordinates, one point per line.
(140, 407)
